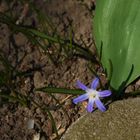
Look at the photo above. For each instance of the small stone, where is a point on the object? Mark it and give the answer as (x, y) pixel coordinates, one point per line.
(20, 39)
(36, 136)
(39, 80)
(30, 124)
(138, 82)
(43, 138)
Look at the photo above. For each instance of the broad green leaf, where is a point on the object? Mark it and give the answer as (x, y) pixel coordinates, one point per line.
(117, 37)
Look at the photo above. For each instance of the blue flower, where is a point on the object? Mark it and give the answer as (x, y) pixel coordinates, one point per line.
(92, 95)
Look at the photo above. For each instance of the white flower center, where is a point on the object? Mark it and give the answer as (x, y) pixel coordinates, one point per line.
(92, 93)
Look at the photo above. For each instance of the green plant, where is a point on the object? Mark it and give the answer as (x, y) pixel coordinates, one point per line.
(117, 31)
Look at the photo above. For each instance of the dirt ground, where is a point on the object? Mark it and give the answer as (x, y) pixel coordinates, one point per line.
(26, 57)
(14, 118)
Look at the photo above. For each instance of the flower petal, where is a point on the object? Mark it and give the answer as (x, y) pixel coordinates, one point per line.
(95, 83)
(80, 98)
(90, 104)
(81, 85)
(100, 105)
(104, 93)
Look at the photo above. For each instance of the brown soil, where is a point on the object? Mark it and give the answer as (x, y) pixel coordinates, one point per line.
(25, 57)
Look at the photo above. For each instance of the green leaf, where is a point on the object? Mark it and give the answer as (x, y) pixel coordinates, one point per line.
(61, 90)
(117, 37)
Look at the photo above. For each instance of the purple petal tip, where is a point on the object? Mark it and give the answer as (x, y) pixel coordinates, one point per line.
(95, 83)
